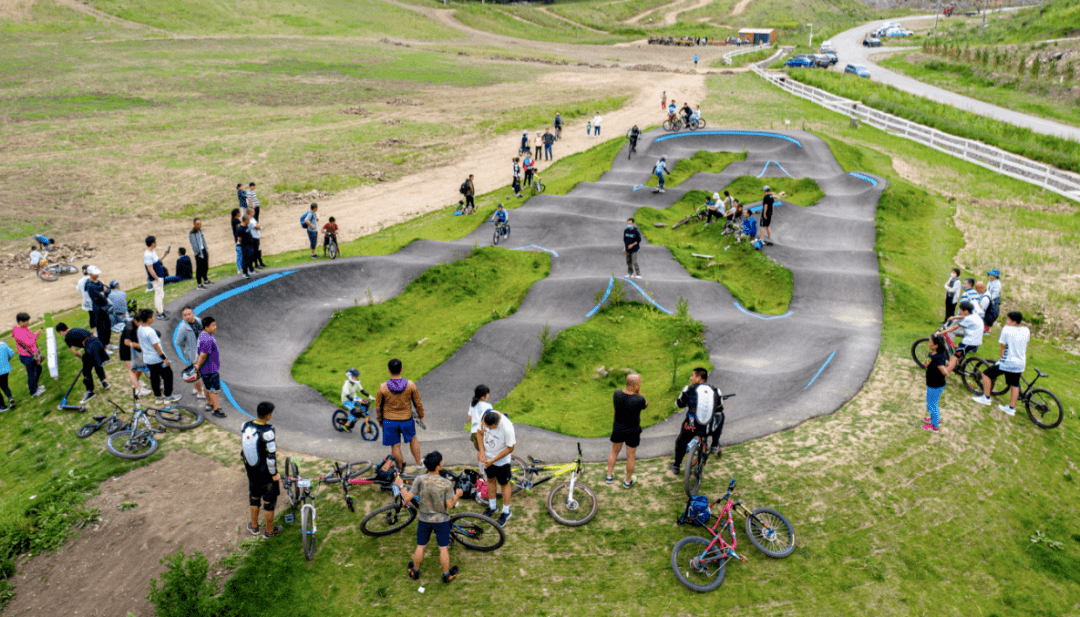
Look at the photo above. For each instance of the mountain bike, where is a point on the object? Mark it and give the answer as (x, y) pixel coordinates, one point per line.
(570, 503)
(696, 457)
(136, 439)
(332, 247)
(502, 230)
(537, 185)
(970, 369)
(369, 430)
(112, 423)
(696, 123)
(673, 123)
(633, 143)
(700, 563)
(51, 272)
(298, 492)
(1043, 406)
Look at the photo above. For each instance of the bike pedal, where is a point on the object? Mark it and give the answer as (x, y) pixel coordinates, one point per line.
(289, 518)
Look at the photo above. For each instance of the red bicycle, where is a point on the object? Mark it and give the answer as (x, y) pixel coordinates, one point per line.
(699, 563)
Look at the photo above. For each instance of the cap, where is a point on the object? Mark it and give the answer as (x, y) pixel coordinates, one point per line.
(716, 196)
(766, 188)
(93, 270)
(995, 272)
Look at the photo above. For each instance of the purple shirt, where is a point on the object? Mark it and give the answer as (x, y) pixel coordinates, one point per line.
(208, 346)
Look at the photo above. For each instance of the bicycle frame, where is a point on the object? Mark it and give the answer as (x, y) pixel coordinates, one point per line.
(726, 550)
(574, 469)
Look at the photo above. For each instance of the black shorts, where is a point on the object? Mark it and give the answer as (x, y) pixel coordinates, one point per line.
(964, 350)
(125, 352)
(765, 222)
(1012, 379)
(263, 492)
(499, 473)
(630, 437)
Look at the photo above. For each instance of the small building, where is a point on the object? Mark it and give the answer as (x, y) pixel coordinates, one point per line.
(758, 36)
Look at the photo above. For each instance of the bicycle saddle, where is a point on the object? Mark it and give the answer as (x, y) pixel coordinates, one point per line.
(535, 461)
(1040, 373)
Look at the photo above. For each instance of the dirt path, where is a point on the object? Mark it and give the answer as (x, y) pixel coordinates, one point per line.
(740, 7)
(86, 9)
(545, 11)
(644, 14)
(673, 17)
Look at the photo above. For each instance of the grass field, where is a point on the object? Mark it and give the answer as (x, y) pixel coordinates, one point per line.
(1054, 19)
(443, 307)
(566, 391)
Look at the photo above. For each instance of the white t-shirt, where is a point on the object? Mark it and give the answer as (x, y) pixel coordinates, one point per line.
(973, 330)
(1015, 338)
(35, 258)
(147, 338)
(596, 120)
(476, 414)
(498, 439)
(972, 296)
(87, 303)
(251, 226)
(149, 258)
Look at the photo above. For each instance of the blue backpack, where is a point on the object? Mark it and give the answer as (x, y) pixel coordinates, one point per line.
(749, 227)
(697, 512)
(303, 219)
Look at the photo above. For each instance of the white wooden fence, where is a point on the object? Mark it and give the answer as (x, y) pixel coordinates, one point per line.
(745, 49)
(1049, 178)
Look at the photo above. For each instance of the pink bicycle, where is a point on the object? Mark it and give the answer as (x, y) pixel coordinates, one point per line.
(699, 563)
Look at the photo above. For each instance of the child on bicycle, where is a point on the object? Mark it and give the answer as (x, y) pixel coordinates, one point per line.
(500, 218)
(972, 326)
(349, 393)
(329, 231)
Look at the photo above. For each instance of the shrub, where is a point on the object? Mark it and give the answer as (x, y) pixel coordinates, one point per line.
(186, 589)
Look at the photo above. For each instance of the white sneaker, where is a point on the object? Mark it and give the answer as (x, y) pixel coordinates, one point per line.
(201, 396)
(982, 399)
(1009, 411)
(174, 398)
(145, 392)
(194, 391)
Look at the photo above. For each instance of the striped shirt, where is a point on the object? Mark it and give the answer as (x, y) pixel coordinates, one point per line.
(253, 199)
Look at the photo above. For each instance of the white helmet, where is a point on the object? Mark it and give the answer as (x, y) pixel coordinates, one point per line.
(716, 196)
(353, 375)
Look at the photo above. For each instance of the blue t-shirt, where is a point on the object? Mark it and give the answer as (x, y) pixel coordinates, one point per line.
(672, 109)
(659, 167)
(500, 215)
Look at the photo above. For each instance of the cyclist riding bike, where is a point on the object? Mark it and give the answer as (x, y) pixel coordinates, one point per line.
(704, 416)
(696, 115)
(672, 109)
(500, 219)
(349, 397)
(329, 231)
(686, 112)
(635, 133)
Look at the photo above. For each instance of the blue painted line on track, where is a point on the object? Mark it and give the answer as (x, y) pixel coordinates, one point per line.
(863, 177)
(766, 167)
(646, 296)
(221, 298)
(602, 300)
(761, 317)
(533, 246)
(638, 187)
(757, 208)
(818, 373)
(718, 133)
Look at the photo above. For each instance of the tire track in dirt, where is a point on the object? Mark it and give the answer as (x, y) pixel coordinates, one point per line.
(545, 11)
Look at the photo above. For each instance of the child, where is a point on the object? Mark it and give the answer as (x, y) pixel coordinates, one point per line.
(329, 231)
(35, 257)
(972, 325)
(588, 128)
(936, 370)
(348, 396)
(6, 355)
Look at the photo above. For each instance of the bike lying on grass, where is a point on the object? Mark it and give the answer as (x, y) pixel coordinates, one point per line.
(570, 503)
(700, 563)
(136, 439)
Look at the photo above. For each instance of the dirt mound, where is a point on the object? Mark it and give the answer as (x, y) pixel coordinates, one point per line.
(17, 265)
(356, 111)
(303, 199)
(392, 122)
(536, 60)
(658, 68)
(405, 102)
(386, 41)
(391, 142)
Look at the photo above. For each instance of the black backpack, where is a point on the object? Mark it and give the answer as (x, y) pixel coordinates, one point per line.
(464, 187)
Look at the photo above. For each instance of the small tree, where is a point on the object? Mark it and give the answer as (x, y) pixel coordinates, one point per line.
(687, 334)
(186, 589)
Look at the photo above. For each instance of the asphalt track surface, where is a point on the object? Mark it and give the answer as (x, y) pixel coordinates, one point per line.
(784, 369)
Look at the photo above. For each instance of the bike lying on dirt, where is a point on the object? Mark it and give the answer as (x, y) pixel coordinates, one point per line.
(700, 563)
(570, 503)
(51, 272)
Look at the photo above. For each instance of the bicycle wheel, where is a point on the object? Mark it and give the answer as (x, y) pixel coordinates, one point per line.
(131, 445)
(66, 269)
(699, 570)
(114, 425)
(541, 187)
(920, 351)
(1044, 408)
(975, 369)
(476, 532)
(86, 430)
(572, 512)
(669, 125)
(695, 465)
(518, 475)
(701, 123)
(339, 419)
(369, 430)
(292, 491)
(495, 238)
(333, 249)
(307, 527)
(47, 275)
(386, 520)
(179, 417)
(770, 533)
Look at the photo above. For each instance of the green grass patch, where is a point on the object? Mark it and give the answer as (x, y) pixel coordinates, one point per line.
(567, 390)
(55, 107)
(758, 282)
(542, 116)
(797, 191)
(423, 326)
(529, 23)
(1055, 19)
(703, 161)
(743, 60)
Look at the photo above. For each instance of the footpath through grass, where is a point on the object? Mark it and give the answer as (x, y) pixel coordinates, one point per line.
(423, 326)
(569, 389)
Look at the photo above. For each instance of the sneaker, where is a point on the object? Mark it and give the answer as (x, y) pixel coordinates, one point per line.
(715, 449)
(112, 348)
(200, 396)
(163, 317)
(173, 398)
(40, 391)
(159, 401)
(448, 577)
(217, 413)
(3, 409)
(208, 282)
(105, 385)
(345, 428)
(929, 428)
(145, 392)
(86, 397)
(199, 286)
(412, 572)
(247, 276)
(10, 403)
(1009, 411)
(489, 512)
(982, 399)
(270, 533)
(149, 288)
(504, 518)
(253, 530)
(609, 479)
(675, 469)
(628, 483)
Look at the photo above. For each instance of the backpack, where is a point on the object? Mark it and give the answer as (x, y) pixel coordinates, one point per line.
(697, 512)
(749, 226)
(303, 219)
(464, 188)
(757, 245)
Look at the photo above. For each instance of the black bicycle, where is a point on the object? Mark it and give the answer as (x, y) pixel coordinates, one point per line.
(502, 230)
(633, 143)
(112, 423)
(1043, 406)
(696, 457)
(970, 369)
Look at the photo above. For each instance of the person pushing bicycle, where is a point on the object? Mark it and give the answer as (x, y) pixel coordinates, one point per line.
(704, 416)
(350, 391)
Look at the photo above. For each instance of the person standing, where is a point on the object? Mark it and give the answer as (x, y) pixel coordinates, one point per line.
(558, 126)
(549, 139)
(202, 256)
(663, 101)
(538, 144)
(156, 360)
(952, 293)
(626, 428)
(208, 364)
(937, 368)
(596, 124)
(241, 196)
(477, 409)
(704, 416)
(156, 272)
(247, 247)
(695, 62)
(6, 356)
(497, 435)
(256, 243)
(235, 222)
(766, 216)
(394, 405)
(524, 149)
(631, 244)
(972, 326)
(994, 289)
(971, 295)
(87, 304)
(253, 209)
(436, 497)
(1014, 339)
(187, 340)
(258, 445)
(983, 299)
(26, 342)
(86, 347)
(310, 222)
(99, 299)
(329, 231)
(470, 199)
(527, 165)
(517, 178)
(131, 356)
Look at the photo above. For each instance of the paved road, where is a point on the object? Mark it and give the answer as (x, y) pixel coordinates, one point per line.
(784, 370)
(850, 50)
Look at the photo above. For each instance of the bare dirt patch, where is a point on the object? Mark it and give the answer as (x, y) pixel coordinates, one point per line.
(185, 498)
(15, 10)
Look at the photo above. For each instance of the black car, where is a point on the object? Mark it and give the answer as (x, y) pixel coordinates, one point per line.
(871, 42)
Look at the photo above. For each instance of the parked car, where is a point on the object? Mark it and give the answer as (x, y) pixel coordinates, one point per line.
(800, 62)
(826, 48)
(833, 59)
(821, 61)
(871, 42)
(857, 69)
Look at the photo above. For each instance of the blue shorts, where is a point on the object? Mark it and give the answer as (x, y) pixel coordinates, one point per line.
(397, 431)
(442, 533)
(212, 382)
(349, 405)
